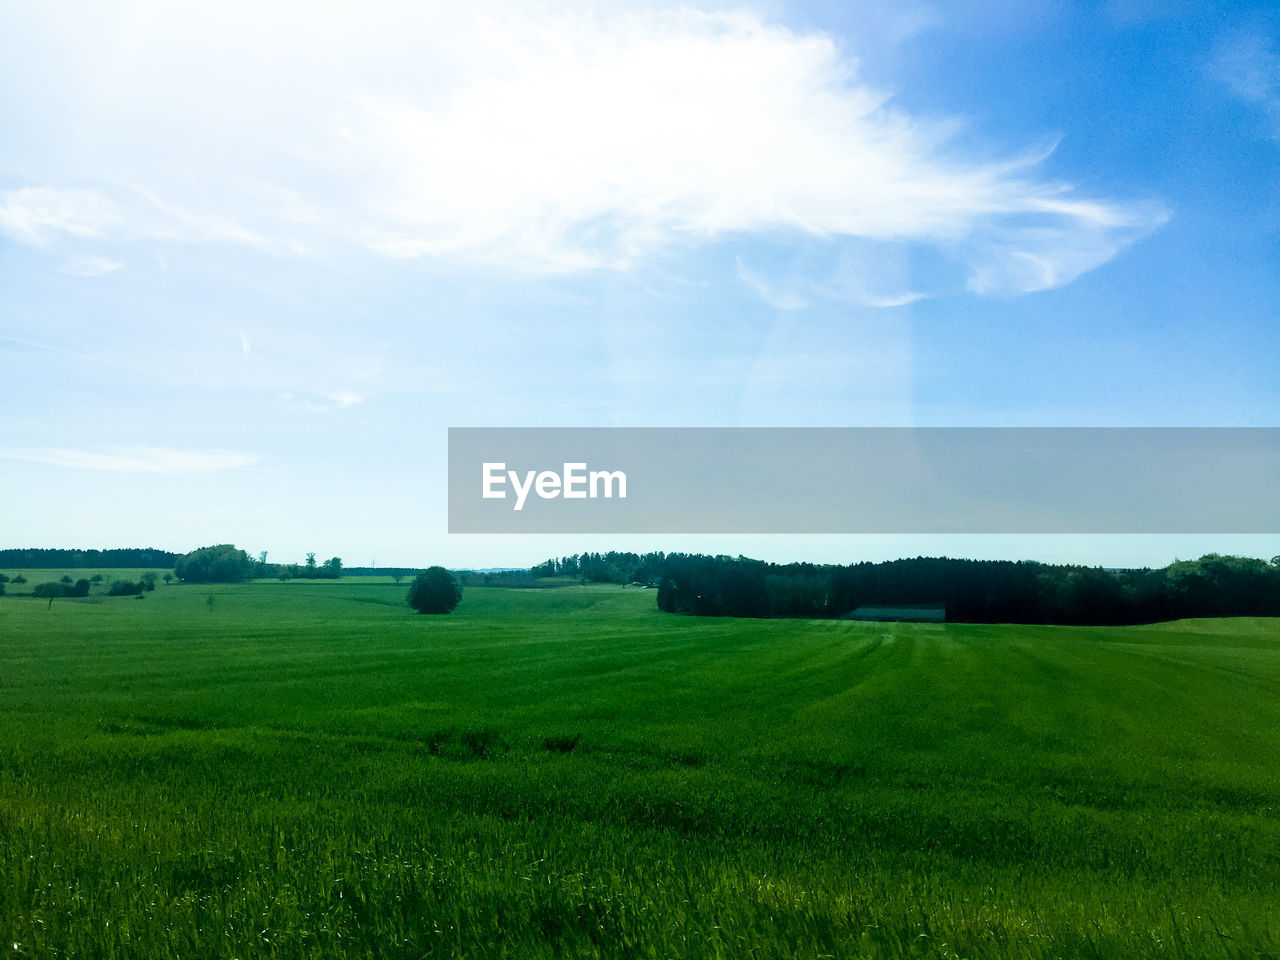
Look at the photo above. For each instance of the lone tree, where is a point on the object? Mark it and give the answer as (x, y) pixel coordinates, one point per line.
(434, 591)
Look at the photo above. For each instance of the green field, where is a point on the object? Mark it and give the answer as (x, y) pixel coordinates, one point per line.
(311, 770)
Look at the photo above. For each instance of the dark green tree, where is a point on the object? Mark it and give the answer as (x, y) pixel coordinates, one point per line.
(221, 563)
(434, 591)
(52, 590)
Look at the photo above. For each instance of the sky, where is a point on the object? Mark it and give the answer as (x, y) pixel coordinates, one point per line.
(257, 258)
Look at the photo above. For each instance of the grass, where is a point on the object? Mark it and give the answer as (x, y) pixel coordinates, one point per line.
(311, 770)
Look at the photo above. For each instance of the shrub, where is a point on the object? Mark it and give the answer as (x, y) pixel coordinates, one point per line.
(434, 591)
(124, 588)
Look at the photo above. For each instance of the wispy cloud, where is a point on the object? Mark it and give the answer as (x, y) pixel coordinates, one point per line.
(1249, 64)
(895, 300)
(35, 345)
(1016, 259)
(137, 459)
(332, 401)
(555, 142)
(780, 298)
(36, 215)
(91, 267)
(863, 273)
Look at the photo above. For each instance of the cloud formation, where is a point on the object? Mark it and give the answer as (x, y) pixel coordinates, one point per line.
(340, 400)
(1249, 64)
(137, 459)
(91, 266)
(35, 216)
(561, 142)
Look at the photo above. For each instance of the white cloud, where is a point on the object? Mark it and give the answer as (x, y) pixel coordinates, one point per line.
(844, 285)
(894, 300)
(91, 266)
(137, 459)
(780, 298)
(1249, 64)
(556, 142)
(333, 401)
(36, 215)
(598, 144)
(1028, 258)
(51, 348)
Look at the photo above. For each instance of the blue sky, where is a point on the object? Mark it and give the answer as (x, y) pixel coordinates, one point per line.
(255, 259)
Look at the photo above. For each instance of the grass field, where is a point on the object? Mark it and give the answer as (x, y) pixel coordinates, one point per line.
(311, 770)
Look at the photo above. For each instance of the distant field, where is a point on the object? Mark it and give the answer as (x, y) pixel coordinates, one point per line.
(311, 770)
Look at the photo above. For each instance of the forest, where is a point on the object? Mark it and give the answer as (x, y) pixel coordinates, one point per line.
(974, 591)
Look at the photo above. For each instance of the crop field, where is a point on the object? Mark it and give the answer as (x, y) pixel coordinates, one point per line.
(312, 770)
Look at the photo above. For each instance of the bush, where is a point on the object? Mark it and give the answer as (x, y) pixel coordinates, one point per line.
(50, 589)
(434, 591)
(124, 588)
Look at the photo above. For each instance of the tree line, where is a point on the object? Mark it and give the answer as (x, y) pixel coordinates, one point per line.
(611, 567)
(226, 563)
(41, 558)
(974, 591)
